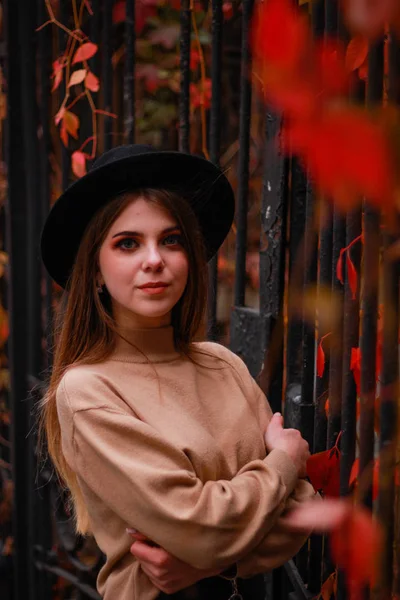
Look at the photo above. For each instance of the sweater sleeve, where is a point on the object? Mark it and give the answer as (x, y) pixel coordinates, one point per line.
(152, 486)
(280, 544)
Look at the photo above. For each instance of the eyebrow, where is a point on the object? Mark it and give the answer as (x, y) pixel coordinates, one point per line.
(139, 234)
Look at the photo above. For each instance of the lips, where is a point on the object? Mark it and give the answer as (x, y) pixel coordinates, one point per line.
(153, 284)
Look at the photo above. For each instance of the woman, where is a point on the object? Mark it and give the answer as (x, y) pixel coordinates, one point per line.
(148, 429)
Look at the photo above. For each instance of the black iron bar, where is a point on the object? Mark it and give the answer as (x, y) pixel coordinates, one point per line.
(107, 77)
(27, 40)
(184, 97)
(369, 301)
(94, 62)
(129, 76)
(215, 144)
(62, 41)
(389, 380)
(272, 260)
(243, 160)
(43, 535)
(16, 217)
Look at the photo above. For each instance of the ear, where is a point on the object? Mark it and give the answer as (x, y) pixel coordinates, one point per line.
(99, 280)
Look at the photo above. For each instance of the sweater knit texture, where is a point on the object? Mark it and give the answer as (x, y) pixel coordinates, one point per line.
(173, 446)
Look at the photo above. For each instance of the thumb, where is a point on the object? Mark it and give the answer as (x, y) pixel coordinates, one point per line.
(277, 420)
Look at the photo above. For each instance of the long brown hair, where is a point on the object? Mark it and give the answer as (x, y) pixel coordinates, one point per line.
(85, 330)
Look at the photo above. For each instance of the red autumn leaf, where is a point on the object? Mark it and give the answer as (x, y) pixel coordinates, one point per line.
(92, 82)
(279, 34)
(356, 545)
(330, 67)
(78, 161)
(320, 360)
(194, 59)
(198, 96)
(71, 123)
(85, 52)
(227, 10)
(323, 470)
(353, 479)
(64, 134)
(356, 53)
(339, 266)
(363, 71)
(329, 587)
(351, 276)
(143, 11)
(59, 116)
(355, 367)
(58, 67)
(167, 36)
(77, 77)
(327, 408)
(347, 154)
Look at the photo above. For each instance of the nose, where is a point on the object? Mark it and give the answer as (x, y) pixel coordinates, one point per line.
(153, 260)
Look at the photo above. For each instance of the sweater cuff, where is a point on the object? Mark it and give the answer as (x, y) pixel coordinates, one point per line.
(281, 462)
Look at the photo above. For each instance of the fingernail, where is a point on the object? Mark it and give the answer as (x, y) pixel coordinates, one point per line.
(131, 531)
(277, 414)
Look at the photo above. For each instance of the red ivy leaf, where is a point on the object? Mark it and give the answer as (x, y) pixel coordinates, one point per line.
(281, 45)
(320, 360)
(85, 52)
(323, 470)
(92, 82)
(77, 77)
(356, 545)
(58, 67)
(347, 154)
(356, 53)
(78, 160)
(355, 367)
(339, 266)
(351, 276)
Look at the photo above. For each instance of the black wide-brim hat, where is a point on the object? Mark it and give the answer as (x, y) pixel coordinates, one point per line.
(126, 168)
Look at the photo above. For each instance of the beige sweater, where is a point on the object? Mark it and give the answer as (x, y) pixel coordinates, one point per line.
(174, 448)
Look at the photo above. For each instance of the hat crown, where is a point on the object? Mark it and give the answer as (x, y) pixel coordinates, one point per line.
(121, 152)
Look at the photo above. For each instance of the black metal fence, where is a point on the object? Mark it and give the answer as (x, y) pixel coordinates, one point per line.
(278, 340)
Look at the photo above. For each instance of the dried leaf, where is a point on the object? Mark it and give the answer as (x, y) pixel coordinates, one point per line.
(78, 160)
(351, 276)
(356, 53)
(64, 134)
(85, 52)
(77, 77)
(92, 82)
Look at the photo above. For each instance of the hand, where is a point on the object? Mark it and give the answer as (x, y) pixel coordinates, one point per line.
(288, 440)
(165, 571)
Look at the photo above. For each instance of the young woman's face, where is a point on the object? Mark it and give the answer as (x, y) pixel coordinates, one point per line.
(143, 265)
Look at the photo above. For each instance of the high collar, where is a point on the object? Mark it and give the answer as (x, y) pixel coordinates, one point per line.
(144, 345)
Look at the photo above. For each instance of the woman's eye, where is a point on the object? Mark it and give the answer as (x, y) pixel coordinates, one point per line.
(127, 244)
(173, 240)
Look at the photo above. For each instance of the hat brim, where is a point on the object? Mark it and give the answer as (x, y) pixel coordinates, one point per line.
(202, 183)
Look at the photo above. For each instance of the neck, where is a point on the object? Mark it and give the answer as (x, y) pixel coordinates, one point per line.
(154, 344)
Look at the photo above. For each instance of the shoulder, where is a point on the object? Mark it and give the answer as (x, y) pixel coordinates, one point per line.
(85, 386)
(226, 357)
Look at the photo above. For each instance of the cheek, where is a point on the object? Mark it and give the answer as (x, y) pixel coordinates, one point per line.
(182, 268)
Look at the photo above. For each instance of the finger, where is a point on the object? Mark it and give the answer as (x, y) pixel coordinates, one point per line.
(140, 537)
(151, 554)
